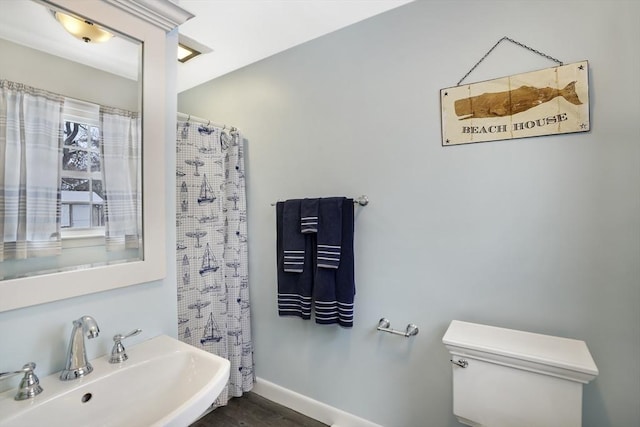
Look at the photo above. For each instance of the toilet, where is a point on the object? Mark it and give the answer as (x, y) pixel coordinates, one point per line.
(508, 378)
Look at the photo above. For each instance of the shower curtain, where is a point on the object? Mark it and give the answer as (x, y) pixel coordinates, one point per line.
(211, 249)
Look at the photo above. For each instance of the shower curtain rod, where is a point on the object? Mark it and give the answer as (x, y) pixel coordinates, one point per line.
(190, 118)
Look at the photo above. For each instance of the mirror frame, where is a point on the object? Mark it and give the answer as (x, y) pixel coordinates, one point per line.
(147, 21)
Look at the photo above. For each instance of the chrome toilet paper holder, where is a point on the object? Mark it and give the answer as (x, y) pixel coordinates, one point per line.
(385, 326)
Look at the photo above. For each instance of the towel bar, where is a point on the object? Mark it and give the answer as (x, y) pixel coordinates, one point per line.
(361, 200)
(384, 326)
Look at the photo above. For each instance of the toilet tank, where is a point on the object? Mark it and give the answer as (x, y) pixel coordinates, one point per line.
(508, 378)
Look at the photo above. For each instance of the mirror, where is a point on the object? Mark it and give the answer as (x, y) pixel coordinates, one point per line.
(98, 84)
(92, 77)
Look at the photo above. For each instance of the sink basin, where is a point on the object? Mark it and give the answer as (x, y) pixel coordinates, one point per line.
(164, 382)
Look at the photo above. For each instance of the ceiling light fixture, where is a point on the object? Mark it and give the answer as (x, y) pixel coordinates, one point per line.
(186, 53)
(81, 29)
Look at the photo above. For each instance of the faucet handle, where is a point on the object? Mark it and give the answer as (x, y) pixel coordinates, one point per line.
(118, 354)
(29, 385)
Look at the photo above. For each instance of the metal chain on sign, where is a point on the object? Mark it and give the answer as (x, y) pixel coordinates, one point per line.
(514, 42)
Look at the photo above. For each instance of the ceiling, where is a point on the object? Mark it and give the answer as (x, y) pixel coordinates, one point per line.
(236, 33)
(241, 32)
(32, 24)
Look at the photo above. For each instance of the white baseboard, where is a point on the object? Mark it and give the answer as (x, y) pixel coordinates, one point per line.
(305, 405)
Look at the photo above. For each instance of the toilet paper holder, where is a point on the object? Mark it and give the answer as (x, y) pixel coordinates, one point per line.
(385, 326)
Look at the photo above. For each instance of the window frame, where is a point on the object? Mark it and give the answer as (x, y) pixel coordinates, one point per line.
(83, 113)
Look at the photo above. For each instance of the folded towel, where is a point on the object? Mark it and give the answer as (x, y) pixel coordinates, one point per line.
(293, 241)
(329, 232)
(294, 290)
(309, 216)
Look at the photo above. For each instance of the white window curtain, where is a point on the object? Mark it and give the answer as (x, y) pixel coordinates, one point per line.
(30, 157)
(122, 178)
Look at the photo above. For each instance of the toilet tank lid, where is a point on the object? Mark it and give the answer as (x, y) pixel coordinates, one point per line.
(565, 353)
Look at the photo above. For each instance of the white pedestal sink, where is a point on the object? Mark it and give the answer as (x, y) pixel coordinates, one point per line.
(164, 383)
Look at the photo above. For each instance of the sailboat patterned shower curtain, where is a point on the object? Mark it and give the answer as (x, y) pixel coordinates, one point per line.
(211, 252)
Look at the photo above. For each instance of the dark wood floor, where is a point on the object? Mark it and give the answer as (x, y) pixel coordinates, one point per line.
(252, 410)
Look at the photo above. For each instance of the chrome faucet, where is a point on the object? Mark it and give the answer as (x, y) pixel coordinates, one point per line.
(29, 385)
(77, 364)
(118, 354)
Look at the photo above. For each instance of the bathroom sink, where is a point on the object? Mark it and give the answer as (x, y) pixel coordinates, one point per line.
(164, 382)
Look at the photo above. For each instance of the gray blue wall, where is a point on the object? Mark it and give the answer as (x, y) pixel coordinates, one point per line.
(53, 73)
(538, 234)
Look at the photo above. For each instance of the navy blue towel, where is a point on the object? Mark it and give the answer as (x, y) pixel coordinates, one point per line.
(293, 241)
(330, 232)
(309, 216)
(334, 287)
(294, 289)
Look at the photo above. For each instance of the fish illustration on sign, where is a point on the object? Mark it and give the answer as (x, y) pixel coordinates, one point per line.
(550, 101)
(508, 103)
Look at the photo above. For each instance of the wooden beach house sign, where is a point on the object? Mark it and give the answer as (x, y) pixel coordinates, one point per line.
(546, 102)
